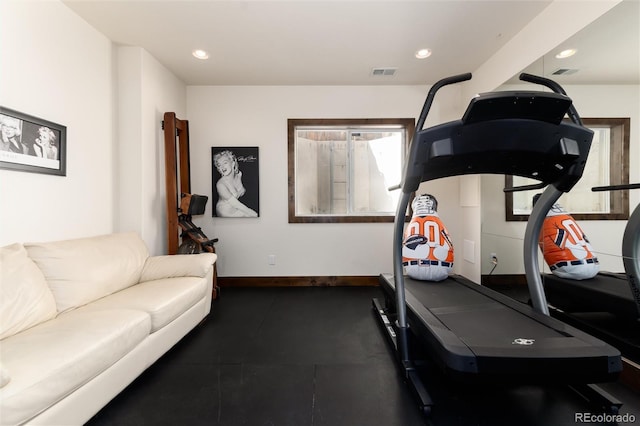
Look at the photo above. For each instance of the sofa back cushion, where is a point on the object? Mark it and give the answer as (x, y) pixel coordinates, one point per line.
(25, 298)
(82, 270)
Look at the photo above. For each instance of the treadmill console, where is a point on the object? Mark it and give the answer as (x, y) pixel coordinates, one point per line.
(527, 105)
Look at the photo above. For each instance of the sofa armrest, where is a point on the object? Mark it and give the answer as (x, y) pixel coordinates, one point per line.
(177, 265)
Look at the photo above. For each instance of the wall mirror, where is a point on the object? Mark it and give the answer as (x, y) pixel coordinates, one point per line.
(605, 66)
(608, 164)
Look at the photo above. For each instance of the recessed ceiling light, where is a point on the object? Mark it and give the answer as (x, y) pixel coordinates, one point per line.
(200, 54)
(566, 53)
(423, 53)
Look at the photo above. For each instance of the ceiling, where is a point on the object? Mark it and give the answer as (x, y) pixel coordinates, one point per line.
(331, 42)
(608, 50)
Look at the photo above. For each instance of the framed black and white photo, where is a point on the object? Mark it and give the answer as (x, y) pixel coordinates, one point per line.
(31, 144)
(235, 181)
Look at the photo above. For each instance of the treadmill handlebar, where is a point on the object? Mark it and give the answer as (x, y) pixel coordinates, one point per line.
(616, 187)
(573, 113)
(432, 93)
(536, 79)
(525, 187)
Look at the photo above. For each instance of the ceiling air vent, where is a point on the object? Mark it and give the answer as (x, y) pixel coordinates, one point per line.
(565, 71)
(384, 71)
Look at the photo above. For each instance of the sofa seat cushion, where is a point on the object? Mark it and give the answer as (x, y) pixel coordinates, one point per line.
(164, 300)
(25, 298)
(85, 269)
(51, 360)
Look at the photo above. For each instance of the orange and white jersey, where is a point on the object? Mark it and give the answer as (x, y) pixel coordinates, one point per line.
(566, 248)
(427, 251)
(426, 238)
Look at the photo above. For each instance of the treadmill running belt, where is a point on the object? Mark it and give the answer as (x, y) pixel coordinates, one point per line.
(606, 292)
(482, 331)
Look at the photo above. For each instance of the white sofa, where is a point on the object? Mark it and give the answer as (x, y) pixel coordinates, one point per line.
(81, 319)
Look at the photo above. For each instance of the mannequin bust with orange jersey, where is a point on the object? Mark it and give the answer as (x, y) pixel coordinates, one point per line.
(565, 246)
(427, 251)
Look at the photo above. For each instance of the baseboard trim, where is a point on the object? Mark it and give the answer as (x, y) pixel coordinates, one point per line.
(315, 281)
(630, 374)
(346, 281)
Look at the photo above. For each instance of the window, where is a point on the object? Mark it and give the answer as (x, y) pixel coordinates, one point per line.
(341, 170)
(607, 164)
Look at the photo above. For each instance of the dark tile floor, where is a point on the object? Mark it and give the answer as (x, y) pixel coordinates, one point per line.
(315, 356)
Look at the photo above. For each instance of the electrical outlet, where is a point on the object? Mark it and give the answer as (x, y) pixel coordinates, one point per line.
(271, 259)
(493, 258)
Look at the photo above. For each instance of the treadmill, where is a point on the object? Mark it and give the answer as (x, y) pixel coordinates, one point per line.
(617, 294)
(469, 331)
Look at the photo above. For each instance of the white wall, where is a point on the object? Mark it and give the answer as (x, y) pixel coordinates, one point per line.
(146, 90)
(112, 100)
(55, 66)
(505, 238)
(257, 116)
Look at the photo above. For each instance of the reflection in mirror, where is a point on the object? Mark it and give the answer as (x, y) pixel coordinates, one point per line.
(341, 170)
(608, 164)
(603, 79)
(584, 292)
(604, 52)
